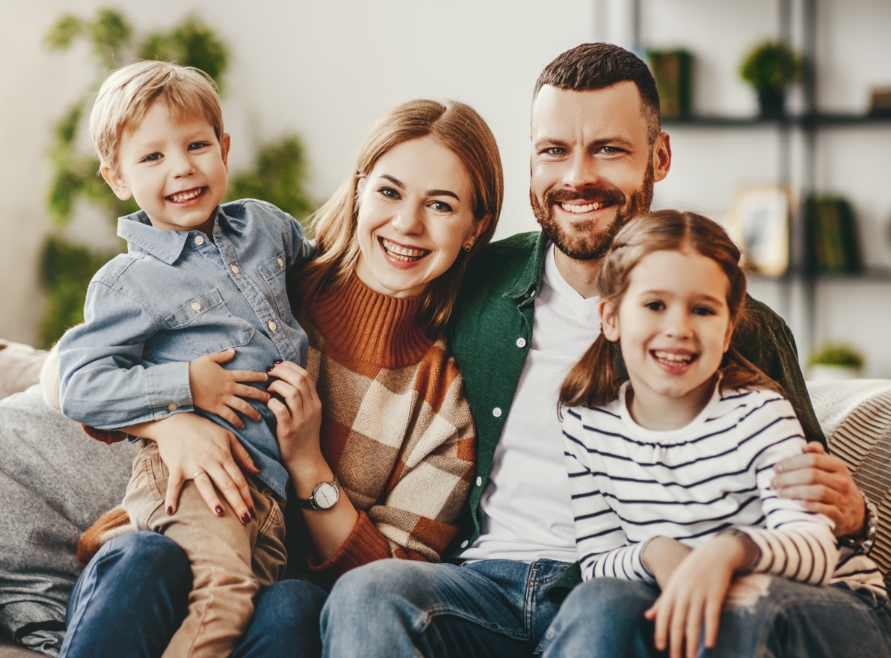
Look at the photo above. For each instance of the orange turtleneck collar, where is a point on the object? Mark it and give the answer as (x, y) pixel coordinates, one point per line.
(370, 326)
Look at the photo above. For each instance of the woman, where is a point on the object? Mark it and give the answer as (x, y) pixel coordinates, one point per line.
(395, 435)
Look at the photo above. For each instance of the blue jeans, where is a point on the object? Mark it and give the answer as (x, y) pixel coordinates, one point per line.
(134, 594)
(786, 619)
(390, 608)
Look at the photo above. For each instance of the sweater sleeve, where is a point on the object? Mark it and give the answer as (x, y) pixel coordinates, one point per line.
(795, 544)
(603, 547)
(415, 518)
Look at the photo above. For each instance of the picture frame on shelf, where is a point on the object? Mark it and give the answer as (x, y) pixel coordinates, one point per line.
(759, 222)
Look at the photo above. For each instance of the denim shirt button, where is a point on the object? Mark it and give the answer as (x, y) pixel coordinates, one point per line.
(281, 262)
(171, 406)
(272, 326)
(235, 269)
(199, 240)
(196, 306)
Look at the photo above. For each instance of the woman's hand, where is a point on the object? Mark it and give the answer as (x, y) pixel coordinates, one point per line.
(696, 591)
(220, 392)
(299, 418)
(824, 485)
(191, 447)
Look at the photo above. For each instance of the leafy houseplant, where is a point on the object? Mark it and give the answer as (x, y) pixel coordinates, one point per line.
(771, 67)
(66, 268)
(836, 361)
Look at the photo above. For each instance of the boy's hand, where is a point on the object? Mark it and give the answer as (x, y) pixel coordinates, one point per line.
(299, 417)
(218, 390)
(696, 591)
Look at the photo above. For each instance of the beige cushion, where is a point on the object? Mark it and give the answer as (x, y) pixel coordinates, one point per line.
(856, 416)
(19, 367)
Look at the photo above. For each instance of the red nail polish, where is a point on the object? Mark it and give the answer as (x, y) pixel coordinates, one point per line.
(169, 510)
(277, 361)
(218, 510)
(269, 369)
(245, 518)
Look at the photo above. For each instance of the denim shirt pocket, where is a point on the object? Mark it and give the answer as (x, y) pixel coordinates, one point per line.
(273, 273)
(208, 326)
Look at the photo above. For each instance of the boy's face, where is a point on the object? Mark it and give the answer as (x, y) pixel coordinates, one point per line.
(175, 170)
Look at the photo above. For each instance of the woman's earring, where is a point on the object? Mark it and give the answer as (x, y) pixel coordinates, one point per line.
(467, 248)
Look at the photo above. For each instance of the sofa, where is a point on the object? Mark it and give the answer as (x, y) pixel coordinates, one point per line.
(54, 482)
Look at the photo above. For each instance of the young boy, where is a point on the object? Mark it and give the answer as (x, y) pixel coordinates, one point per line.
(199, 279)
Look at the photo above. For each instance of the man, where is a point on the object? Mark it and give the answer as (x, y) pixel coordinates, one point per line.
(528, 312)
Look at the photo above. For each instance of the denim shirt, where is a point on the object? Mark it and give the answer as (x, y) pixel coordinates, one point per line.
(174, 297)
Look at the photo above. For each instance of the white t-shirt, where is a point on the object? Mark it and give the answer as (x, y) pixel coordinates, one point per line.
(525, 511)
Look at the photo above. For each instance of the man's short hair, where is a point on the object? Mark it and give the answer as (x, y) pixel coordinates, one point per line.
(593, 66)
(127, 94)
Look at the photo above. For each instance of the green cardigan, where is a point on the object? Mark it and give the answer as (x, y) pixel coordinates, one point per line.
(491, 330)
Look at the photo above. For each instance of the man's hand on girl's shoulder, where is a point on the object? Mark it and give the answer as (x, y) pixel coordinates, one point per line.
(824, 485)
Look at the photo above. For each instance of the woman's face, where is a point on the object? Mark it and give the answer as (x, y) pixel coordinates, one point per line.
(415, 214)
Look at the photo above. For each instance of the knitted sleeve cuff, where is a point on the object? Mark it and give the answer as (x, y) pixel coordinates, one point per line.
(364, 544)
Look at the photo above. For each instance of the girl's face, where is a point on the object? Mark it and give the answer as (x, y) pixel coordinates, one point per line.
(415, 214)
(674, 327)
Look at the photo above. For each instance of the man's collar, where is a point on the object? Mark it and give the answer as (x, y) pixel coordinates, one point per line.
(164, 245)
(529, 282)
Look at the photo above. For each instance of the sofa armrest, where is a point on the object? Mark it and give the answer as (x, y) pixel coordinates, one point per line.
(856, 417)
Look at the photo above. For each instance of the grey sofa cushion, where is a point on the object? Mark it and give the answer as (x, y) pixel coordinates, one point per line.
(54, 483)
(856, 416)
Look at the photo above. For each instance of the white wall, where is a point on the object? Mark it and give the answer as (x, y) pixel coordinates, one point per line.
(326, 69)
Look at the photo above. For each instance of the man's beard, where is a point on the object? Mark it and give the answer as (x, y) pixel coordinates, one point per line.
(587, 242)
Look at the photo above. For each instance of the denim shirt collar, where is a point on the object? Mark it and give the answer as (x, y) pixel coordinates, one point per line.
(528, 283)
(165, 245)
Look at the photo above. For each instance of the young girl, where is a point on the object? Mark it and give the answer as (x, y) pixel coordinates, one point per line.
(670, 464)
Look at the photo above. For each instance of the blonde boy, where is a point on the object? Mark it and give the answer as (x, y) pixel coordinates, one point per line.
(199, 278)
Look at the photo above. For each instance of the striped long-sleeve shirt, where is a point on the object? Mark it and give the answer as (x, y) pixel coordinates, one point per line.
(630, 484)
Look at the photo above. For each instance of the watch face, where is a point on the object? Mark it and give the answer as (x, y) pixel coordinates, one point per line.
(325, 495)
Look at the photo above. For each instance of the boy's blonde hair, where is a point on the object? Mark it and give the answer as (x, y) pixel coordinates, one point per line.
(127, 94)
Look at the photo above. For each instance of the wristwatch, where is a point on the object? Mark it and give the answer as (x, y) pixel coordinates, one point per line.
(324, 496)
(870, 526)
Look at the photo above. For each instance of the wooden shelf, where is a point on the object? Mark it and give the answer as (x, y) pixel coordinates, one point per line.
(811, 121)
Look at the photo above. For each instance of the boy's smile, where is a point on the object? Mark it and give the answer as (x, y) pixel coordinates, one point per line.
(176, 170)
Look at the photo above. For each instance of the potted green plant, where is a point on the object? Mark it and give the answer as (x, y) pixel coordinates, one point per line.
(771, 67)
(835, 361)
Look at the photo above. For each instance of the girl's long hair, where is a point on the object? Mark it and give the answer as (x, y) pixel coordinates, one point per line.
(460, 129)
(596, 379)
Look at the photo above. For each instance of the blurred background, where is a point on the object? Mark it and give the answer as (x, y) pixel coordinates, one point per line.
(804, 185)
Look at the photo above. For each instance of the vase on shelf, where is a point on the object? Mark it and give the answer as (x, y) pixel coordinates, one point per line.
(772, 103)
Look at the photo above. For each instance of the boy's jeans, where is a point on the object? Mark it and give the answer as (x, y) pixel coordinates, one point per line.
(230, 561)
(393, 608)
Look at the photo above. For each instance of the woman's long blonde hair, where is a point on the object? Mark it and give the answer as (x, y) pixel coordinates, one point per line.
(596, 379)
(461, 130)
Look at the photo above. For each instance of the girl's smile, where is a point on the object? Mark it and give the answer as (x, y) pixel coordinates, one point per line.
(673, 324)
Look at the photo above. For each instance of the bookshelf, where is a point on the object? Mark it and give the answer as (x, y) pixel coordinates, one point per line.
(798, 136)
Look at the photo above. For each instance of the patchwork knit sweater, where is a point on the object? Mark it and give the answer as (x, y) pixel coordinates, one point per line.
(396, 430)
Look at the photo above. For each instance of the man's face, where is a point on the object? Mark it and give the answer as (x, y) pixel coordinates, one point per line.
(592, 166)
